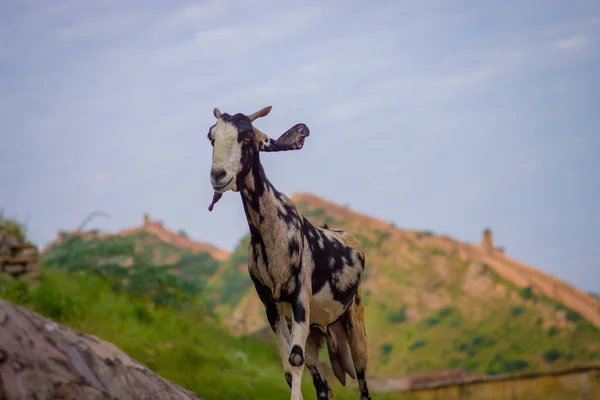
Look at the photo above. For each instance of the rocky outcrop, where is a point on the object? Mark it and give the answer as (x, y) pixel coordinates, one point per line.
(40, 359)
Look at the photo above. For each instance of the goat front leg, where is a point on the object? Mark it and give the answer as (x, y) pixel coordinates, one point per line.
(278, 323)
(282, 335)
(300, 331)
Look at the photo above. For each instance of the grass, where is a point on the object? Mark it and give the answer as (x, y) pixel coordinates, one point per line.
(495, 343)
(185, 346)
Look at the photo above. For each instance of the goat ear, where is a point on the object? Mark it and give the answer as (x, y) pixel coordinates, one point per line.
(292, 139)
(260, 113)
(217, 113)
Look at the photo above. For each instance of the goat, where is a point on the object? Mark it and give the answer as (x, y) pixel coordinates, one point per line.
(308, 278)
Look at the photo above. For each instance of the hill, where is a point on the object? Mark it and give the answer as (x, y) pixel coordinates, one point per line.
(85, 284)
(435, 303)
(149, 260)
(432, 302)
(176, 240)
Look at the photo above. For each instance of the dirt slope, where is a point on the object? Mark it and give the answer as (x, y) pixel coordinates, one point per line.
(514, 271)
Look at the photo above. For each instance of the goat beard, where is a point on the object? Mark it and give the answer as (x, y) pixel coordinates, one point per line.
(216, 197)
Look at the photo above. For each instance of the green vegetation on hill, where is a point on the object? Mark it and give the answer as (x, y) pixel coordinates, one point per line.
(183, 345)
(429, 309)
(139, 265)
(233, 280)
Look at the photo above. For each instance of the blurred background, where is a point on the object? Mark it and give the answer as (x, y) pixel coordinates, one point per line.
(430, 122)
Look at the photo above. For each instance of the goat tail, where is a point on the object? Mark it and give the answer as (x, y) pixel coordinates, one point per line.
(339, 354)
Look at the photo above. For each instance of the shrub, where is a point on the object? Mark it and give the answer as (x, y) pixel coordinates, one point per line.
(11, 227)
(143, 314)
(482, 340)
(431, 321)
(516, 365)
(386, 348)
(438, 252)
(445, 311)
(572, 316)
(553, 331)
(552, 355)
(397, 317)
(516, 310)
(526, 293)
(417, 344)
(500, 365)
(484, 269)
(475, 344)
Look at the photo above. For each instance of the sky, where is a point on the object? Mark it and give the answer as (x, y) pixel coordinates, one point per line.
(449, 116)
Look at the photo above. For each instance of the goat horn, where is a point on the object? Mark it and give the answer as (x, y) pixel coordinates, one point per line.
(260, 113)
(259, 135)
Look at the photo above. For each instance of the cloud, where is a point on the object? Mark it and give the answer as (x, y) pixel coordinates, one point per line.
(572, 43)
(469, 73)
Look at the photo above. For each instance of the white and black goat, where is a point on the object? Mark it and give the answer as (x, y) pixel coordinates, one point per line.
(307, 277)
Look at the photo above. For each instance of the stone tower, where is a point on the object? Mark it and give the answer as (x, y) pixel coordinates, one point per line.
(487, 243)
(146, 219)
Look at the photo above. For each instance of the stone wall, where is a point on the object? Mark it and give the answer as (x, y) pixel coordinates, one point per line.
(18, 259)
(581, 383)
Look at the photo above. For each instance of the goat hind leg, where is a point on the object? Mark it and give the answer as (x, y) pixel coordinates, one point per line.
(313, 344)
(353, 321)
